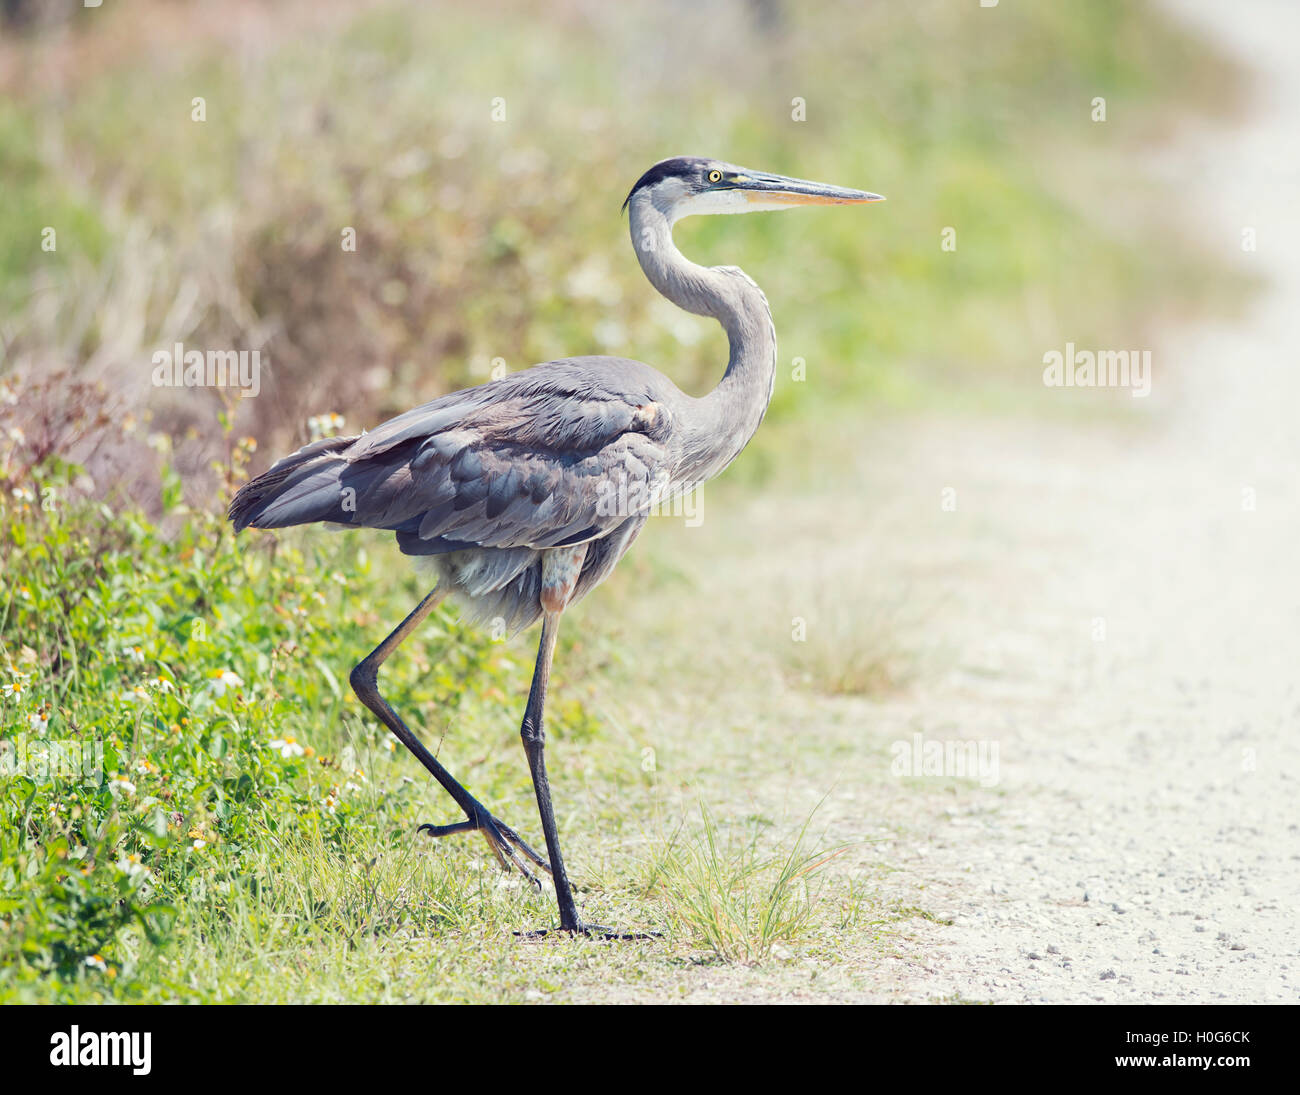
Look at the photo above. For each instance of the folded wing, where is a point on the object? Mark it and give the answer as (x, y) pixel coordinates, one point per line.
(555, 455)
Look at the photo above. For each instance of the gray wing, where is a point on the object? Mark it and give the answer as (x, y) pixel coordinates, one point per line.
(554, 455)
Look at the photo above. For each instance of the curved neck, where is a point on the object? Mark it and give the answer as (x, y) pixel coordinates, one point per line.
(721, 423)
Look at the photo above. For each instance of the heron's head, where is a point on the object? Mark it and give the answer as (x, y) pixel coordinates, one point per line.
(687, 186)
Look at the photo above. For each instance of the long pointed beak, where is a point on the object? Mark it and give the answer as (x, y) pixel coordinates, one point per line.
(777, 191)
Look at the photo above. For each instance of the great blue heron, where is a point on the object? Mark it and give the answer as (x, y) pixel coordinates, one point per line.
(520, 495)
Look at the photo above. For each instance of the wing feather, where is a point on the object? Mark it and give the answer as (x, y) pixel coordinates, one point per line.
(557, 454)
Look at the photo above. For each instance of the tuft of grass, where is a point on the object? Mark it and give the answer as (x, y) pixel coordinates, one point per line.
(735, 895)
(856, 644)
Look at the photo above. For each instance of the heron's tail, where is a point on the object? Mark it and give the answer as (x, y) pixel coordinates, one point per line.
(303, 487)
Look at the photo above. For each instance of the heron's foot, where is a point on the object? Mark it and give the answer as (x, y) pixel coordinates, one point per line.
(508, 846)
(590, 931)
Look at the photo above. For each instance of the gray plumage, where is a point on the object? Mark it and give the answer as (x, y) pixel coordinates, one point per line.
(521, 495)
(482, 481)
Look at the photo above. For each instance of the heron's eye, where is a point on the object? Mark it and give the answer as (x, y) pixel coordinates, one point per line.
(715, 176)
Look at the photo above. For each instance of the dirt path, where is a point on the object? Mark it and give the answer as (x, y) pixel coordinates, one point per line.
(1112, 604)
(1129, 635)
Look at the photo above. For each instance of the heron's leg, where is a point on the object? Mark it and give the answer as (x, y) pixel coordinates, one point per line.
(561, 568)
(534, 734)
(505, 843)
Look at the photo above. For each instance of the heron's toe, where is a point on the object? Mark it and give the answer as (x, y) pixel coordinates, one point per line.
(592, 931)
(510, 849)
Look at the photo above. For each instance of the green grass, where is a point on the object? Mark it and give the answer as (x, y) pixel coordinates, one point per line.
(736, 896)
(245, 833)
(186, 660)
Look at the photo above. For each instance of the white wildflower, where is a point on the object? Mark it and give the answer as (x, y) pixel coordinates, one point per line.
(225, 679)
(118, 786)
(324, 425)
(288, 746)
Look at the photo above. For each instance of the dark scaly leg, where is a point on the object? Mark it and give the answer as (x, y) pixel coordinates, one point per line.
(560, 570)
(505, 843)
(534, 736)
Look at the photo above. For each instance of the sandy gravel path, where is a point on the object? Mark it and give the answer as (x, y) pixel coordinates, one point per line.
(1130, 636)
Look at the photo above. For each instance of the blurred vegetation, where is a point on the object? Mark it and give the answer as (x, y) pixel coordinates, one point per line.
(480, 239)
(248, 836)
